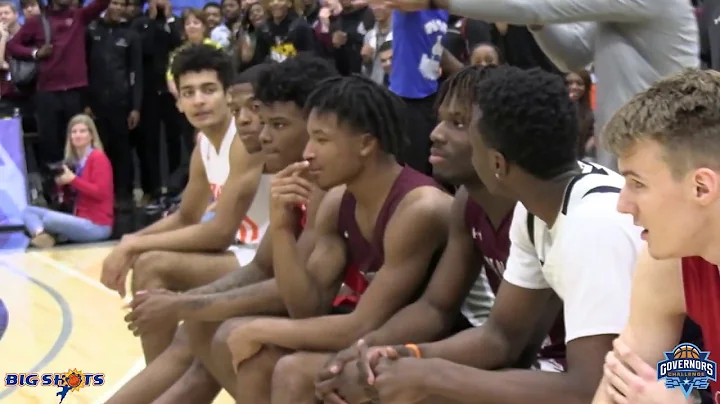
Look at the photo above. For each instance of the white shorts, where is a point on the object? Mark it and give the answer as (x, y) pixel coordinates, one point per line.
(548, 365)
(243, 253)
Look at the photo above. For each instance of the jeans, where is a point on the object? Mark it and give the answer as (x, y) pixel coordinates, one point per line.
(62, 224)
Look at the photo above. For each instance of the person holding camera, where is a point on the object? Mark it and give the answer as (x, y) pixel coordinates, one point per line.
(85, 186)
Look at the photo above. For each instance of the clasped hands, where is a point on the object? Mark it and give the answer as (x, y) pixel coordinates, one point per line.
(383, 374)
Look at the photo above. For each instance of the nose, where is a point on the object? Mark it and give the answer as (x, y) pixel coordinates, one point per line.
(437, 135)
(308, 152)
(245, 119)
(265, 137)
(625, 202)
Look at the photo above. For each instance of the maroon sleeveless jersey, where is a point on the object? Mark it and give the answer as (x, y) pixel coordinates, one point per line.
(494, 245)
(701, 282)
(365, 257)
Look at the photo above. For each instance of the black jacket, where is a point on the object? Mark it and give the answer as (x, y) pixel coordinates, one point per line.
(160, 36)
(115, 71)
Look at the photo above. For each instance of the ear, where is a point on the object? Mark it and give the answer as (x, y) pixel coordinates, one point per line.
(500, 165)
(706, 184)
(368, 143)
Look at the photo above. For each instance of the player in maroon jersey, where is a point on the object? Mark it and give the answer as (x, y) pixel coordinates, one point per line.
(668, 143)
(376, 235)
(478, 239)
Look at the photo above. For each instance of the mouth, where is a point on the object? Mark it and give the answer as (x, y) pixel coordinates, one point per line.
(644, 235)
(436, 156)
(202, 115)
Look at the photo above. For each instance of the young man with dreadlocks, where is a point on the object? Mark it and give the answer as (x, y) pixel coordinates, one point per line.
(479, 227)
(377, 236)
(567, 241)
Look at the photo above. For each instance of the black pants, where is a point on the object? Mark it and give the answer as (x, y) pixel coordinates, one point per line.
(421, 120)
(161, 109)
(112, 125)
(54, 109)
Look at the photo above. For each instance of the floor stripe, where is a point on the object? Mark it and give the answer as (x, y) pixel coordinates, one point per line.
(65, 330)
(75, 273)
(134, 370)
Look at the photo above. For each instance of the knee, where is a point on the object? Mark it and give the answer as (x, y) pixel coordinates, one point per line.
(219, 349)
(290, 373)
(180, 348)
(151, 270)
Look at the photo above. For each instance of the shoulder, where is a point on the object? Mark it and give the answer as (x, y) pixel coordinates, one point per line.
(97, 155)
(239, 156)
(597, 214)
(425, 198)
(328, 208)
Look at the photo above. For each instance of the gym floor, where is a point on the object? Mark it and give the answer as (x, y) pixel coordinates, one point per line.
(56, 316)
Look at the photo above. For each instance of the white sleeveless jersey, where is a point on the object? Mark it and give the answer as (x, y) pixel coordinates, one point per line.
(587, 256)
(217, 169)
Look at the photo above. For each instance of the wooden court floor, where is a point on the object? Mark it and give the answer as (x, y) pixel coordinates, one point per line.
(59, 317)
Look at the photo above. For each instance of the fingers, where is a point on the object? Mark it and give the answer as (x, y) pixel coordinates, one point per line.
(619, 376)
(633, 360)
(291, 193)
(332, 398)
(364, 363)
(292, 168)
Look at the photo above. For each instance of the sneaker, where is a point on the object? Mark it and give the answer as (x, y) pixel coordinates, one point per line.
(43, 240)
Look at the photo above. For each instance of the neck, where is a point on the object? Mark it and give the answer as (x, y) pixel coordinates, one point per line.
(109, 19)
(496, 207)
(56, 7)
(279, 20)
(82, 151)
(385, 25)
(544, 198)
(216, 133)
(371, 187)
(196, 41)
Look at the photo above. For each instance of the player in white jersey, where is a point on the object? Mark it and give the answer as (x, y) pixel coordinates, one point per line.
(568, 240)
(179, 252)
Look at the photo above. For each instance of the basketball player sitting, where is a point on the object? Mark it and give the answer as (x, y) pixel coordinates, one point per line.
(479, 226)
(667, 140)
(376, 237)
(178, 252)
(197, 362)
(567, 239)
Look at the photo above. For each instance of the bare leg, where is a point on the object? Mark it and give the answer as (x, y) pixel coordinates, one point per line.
(178, 272)
(158, 376)
(196, 386)
(254, 376)
(293, 380)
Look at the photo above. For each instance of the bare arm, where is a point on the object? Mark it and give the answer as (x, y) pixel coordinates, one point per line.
(195, 199)
(416, 231)
(232, 206)
(433, 315)
(308, 293)
(539, 12)
(657, 312)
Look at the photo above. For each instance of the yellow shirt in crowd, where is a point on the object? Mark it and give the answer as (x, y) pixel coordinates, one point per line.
(206, 41)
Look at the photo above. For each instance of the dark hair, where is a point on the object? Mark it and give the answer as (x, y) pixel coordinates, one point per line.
(251, 74)
(529, 118)
(586, 117)
(462, 84)
(387, 45)
(292, 80)
(211, 4)
(364, 106)
(197, 58)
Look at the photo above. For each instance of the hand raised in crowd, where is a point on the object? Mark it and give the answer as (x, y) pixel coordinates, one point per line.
(339, 38)
(630, 380)
(288, 190)
(368, 53)
(4, 34)
(44, 51)
(117, 265)
(133, 119)
(153, 309)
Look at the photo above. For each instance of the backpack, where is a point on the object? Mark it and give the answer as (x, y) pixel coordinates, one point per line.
(23, 73)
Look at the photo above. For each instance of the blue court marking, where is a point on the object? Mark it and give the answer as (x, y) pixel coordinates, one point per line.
(4, 318)
(65, 329)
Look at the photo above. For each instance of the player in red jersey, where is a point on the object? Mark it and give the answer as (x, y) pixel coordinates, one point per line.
(668, 143)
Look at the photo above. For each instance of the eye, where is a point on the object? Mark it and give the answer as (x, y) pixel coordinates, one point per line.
(635, 184)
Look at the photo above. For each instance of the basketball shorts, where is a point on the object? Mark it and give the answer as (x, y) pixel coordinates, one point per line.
(243, 253)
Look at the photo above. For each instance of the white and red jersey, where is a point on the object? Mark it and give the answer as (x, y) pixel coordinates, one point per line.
(217, 168)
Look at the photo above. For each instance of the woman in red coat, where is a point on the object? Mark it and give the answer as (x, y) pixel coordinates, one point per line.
(89, 185)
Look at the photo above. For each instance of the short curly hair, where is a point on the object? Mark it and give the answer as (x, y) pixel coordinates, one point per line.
(197, 58)
(292, 80)
(681, 112)
(528, 116)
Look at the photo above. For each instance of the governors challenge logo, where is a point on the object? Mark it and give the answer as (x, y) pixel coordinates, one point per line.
(71, 381)
(687, 367)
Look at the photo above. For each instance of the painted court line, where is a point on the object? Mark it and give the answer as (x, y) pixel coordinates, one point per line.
(134, 370)
(75, 273)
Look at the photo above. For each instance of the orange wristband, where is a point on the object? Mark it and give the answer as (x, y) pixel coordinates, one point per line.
(414, 349)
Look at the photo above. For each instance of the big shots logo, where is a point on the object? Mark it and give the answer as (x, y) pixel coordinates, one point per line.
(71, 381)
(687, 368)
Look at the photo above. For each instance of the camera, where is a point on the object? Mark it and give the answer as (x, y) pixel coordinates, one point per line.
(56, 169)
